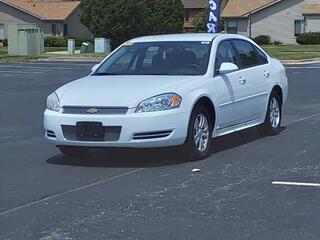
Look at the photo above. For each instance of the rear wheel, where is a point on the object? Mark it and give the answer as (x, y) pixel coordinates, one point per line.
(71, 151)
(198, 143)
(272, 123)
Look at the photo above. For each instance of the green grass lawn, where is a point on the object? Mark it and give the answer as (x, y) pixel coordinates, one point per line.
(4, 57)
(293, 52)
(3, 50)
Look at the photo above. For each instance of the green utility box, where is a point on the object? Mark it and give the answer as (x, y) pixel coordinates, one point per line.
(25, 40)
(86, 47)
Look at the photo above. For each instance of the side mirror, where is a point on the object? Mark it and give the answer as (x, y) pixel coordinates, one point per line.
(228, 67)
(94, 67)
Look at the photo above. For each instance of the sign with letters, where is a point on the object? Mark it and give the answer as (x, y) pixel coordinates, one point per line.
(213, 16)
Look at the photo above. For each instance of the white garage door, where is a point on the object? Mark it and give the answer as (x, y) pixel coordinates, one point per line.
(1, 31)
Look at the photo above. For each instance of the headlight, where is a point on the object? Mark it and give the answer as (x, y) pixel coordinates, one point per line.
(161, 102)
(53, 102)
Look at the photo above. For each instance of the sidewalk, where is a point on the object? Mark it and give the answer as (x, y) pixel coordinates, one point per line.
(65, 56)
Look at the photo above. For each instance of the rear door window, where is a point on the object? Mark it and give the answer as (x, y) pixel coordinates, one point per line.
(263, 59)
(247, 53)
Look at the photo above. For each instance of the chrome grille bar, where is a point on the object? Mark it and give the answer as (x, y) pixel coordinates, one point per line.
(95, 110)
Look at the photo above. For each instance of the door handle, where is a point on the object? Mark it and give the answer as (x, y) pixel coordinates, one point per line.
(242, 81)
(266, 74)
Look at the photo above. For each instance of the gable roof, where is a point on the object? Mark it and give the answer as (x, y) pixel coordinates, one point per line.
(311, 9)
(195, 4)
(241, 8)
(45, 10)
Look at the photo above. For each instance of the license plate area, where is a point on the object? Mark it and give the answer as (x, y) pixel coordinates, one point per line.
(90, 131)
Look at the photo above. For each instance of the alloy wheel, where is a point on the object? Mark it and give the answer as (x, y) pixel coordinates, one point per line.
(201, 132)
(274, 108)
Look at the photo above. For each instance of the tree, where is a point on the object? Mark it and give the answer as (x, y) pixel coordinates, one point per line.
(121, 20)
(200, 20)
(163, 16)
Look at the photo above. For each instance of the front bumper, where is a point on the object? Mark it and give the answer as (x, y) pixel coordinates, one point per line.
(175, 120)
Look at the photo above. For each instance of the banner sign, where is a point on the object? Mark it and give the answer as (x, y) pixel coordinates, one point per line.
(213, 16)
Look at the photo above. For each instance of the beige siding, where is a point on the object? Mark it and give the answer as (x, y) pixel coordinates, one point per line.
(313, 23)
(277, 21)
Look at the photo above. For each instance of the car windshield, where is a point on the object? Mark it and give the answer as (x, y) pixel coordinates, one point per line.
(158, 58)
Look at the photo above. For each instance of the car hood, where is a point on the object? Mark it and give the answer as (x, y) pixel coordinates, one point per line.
(126, 91)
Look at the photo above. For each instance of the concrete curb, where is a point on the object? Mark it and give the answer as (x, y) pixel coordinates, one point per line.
(302, 61)
(93, 60)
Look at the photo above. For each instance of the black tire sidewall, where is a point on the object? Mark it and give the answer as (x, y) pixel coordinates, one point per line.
(267, 128)
(190, 148)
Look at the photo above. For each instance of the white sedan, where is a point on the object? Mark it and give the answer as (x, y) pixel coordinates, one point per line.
(169, 90)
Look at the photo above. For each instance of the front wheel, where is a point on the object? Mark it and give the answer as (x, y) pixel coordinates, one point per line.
(71, 151)
(198, 143)
(272, 123)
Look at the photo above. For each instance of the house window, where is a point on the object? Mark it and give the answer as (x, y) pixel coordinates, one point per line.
(54, 29)
(187, 15)
(1, 31)
(65, 29)
(299, 27)
(232, 26)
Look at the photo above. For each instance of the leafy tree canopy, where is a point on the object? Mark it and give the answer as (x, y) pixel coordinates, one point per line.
(200, 20)
(121, 20)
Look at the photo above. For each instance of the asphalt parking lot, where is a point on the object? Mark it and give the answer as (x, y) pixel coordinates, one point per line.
(153, 194)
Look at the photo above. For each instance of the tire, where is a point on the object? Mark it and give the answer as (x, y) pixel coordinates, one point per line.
(71, 151)
(199, 146)
(272, 122)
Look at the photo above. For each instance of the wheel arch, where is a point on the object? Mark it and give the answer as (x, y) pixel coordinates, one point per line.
(279, 91)
(208, 104)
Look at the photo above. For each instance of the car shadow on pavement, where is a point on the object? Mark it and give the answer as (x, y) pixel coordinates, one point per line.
(147, 158)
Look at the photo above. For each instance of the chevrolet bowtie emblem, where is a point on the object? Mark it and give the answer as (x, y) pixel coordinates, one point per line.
(92, 110)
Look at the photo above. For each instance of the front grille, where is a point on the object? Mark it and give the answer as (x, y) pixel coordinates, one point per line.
(95, 110)
(111, 134)
(151, 135)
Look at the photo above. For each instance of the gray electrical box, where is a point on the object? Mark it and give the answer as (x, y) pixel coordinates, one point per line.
(71, 46)
(102, 45)
(25, 39)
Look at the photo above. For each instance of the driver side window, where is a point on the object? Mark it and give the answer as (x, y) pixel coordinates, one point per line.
(225, 53)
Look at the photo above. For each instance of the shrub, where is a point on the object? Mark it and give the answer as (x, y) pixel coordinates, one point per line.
(262, 39)
(5, 42)
(60, 41)
(309, 38)
(277, 43)
(78, 40)
(55, 41)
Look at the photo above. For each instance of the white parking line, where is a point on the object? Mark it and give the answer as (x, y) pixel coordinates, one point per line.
(15, 72)
(296, 184)
(42, 67)
(69, 191)
(302, 119)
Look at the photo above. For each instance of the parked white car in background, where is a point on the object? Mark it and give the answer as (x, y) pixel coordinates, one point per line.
(169, 90)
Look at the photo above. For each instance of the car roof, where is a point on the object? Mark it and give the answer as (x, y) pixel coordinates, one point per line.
(188, 37)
